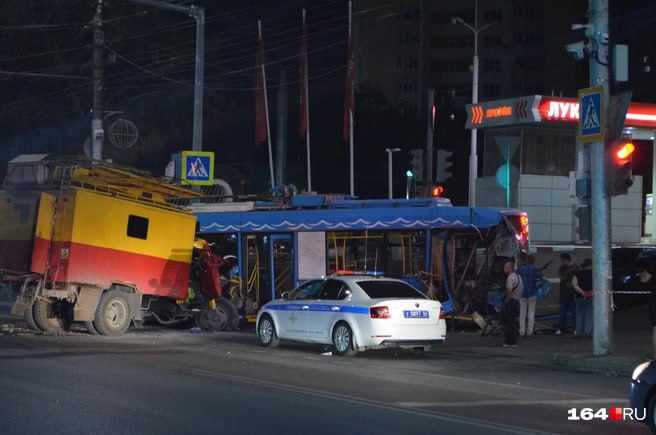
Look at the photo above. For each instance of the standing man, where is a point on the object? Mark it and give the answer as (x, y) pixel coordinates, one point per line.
(514, 291)
(567, 270)
(582, 283)
(532, 277)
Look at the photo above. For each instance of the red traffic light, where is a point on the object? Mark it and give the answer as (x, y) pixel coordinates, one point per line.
(436, 191)
(625, 151)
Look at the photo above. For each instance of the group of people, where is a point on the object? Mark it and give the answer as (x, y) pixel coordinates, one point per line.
(522, 284)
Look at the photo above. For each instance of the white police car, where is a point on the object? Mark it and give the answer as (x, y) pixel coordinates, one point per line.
(353, 313)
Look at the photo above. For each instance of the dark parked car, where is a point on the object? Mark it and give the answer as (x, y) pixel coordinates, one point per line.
(628, 263)
(643, 392)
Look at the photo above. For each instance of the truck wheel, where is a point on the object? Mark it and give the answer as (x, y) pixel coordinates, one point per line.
(202, 320)
(266, 332)
(113, 313)
(343, 340)
(29, 317)
(51, 317)
(92, 329)
(231, 312)
(215, 320)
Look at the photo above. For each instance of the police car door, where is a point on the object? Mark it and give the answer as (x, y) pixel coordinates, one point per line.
(324, 311)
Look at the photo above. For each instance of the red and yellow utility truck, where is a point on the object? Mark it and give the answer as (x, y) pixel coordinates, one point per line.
(105, 245)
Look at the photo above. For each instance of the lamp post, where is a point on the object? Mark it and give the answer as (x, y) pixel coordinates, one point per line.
(409, 176)
(389, 152)
(473, 157)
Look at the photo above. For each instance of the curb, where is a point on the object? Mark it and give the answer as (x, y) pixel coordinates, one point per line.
(619, 365)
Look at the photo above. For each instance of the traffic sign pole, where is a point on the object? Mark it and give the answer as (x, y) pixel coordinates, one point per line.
(602, 342)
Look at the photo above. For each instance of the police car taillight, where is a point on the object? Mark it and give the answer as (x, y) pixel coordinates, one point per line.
(379, 312)
(442, 316)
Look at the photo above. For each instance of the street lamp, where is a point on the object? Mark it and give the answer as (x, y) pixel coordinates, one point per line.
(389, 152)
(473, 157)
(409, 175)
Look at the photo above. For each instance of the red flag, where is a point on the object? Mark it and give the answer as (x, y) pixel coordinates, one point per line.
(260, 110)
(303, 84)
(348, 102)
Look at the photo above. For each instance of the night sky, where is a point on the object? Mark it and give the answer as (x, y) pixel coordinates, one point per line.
(45, 59)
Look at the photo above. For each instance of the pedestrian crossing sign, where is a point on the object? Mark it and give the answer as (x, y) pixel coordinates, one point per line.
(591, 114)
(198, 167)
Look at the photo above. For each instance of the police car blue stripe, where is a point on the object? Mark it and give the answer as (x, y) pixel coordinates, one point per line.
(318, 308)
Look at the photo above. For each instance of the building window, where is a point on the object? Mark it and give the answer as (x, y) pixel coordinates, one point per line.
(410, 14)
(408, 38)
(491, 65)
(492, 40)
(411, 63)
(137, 227)
(493, 16)
(491, 90)
(408, 86)
(548, 152)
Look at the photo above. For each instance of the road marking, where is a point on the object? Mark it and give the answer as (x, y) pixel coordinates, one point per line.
(487, 425)
(479, 383)
(470, 403)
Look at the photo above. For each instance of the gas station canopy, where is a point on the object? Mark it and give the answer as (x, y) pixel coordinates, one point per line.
(532, 109)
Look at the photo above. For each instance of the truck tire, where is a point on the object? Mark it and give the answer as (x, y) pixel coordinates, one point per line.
(51, 316)
(29, 318)
(92, 329)
(231, 312)
(113, 313)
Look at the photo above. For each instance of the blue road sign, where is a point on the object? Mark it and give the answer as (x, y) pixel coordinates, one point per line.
(591, 118)
(198, 167)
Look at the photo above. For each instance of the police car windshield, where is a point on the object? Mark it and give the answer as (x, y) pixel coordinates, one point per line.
(377, 289)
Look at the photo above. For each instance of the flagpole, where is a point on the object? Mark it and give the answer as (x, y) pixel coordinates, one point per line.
(351, 114)
(266, 110)
(307, 105)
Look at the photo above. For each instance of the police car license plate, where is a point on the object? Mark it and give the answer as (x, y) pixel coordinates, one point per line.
(415, 314)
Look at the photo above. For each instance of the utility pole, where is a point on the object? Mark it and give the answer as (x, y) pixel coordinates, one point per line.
(428, 158)
(281, 151)
(97, 128)
(601, 223)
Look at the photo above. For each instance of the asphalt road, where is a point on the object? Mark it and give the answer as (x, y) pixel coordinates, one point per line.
(167, 381)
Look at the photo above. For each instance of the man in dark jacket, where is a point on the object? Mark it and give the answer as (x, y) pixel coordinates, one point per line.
(567, 270)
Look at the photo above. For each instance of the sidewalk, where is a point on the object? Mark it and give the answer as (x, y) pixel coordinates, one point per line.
(631, 344)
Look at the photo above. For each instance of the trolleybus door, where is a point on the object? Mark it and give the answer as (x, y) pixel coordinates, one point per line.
(281, 250)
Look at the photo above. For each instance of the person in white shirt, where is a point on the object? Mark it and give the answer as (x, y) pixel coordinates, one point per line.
(514, 291)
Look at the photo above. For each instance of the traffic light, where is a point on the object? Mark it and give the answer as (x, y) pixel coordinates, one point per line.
(621, 164)
(436, 190)
(442, 173)
(417, 164)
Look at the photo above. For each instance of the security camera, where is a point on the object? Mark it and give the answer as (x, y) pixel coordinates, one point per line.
(577, 49)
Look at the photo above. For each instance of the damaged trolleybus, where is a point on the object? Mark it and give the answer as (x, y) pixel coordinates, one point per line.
(453, 254)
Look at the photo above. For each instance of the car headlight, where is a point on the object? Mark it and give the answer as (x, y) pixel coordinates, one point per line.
(638, 370)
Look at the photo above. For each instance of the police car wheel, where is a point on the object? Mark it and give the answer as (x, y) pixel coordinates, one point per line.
(266, 332)
(343, 340)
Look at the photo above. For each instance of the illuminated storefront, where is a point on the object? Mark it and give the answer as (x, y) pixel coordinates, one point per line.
(530, 160)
